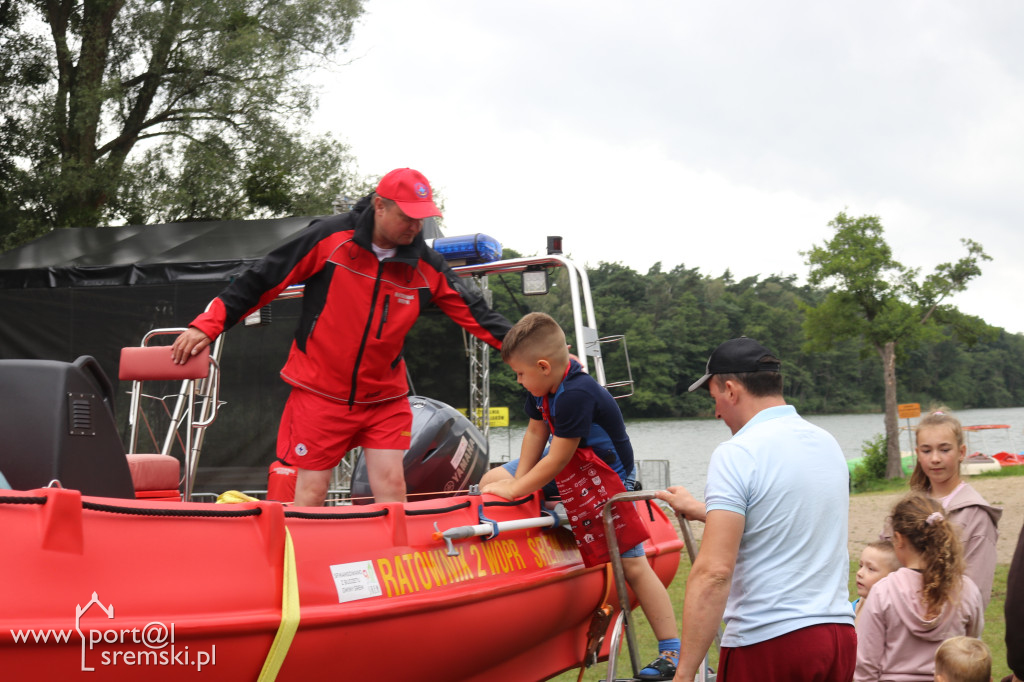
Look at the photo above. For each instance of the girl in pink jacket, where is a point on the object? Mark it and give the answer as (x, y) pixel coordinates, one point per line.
(910, 613)
(940, 451)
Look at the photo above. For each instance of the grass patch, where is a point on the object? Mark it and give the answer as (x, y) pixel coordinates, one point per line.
(995, 621)
(895, 485)
(645, 640)
(1005, 472)
(884, 485)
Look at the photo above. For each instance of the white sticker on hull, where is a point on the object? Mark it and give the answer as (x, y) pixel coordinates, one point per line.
(355, 580)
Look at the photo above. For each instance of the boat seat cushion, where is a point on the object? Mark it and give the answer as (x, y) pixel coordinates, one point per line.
(154, 472)
(159, 495)
(154, 363)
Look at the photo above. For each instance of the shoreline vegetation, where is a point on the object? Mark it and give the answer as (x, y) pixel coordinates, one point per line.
(673, 319)
(867, 516)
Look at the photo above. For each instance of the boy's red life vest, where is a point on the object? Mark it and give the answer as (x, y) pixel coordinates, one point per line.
(585, 484)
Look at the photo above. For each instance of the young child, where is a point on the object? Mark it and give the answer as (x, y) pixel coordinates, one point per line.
(577, 412)
(913, 610)
(963, 659)
(877, 560)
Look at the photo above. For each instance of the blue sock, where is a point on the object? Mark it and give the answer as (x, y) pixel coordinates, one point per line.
(664, 646)
(669, 645)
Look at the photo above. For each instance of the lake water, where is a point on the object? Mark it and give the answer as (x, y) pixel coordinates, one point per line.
(687, 443)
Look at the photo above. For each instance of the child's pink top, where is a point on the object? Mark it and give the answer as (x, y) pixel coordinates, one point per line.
(894, 640)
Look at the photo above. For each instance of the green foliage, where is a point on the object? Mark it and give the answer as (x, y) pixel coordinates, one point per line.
(872, 466)
(672, 319)
(149, 112)
(873, 298)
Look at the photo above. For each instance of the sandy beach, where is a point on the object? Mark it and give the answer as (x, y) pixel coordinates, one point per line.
(868, 512)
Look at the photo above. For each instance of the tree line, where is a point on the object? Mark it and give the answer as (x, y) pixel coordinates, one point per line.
(671, 320)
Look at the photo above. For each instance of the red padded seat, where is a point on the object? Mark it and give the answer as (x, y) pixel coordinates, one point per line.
(154, 473)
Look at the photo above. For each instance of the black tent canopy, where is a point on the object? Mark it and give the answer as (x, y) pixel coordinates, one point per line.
(144, 254)
(92, 291)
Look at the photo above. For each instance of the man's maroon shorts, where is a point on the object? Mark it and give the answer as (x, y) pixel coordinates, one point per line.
(819, 653)
(315, 432)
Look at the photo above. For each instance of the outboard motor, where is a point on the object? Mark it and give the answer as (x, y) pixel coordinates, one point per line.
(57, 423)
(447, 453)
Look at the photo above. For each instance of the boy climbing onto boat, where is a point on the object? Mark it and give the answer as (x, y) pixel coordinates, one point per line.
(589, 457)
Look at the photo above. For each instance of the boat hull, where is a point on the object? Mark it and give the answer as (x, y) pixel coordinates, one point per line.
(978, 464)
(158, 591)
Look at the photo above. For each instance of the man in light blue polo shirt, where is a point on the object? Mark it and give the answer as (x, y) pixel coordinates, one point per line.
(773, 561)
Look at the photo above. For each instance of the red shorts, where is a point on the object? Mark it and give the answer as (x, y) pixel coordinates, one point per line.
(315, 432)
(819, 653)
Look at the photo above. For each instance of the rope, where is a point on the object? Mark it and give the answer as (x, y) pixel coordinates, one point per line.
(146, 511)
(22, 500)
(290, 615)
(439, 510)
(234, 497)
(351, 515)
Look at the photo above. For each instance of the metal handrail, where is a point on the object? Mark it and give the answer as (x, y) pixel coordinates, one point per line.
(620, 580)
(205, 391)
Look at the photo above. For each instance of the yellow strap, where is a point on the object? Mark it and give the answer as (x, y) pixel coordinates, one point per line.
(289, 615)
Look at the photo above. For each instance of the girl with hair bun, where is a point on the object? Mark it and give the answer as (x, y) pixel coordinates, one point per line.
(927, 601)
(940, 450)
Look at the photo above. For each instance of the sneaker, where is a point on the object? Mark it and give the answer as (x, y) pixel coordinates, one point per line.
(661, 668)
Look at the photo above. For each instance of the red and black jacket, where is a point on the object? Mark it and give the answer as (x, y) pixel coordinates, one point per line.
(356, 310)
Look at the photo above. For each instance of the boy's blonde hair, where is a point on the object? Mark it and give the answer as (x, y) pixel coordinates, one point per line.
(536, 337)
(963, 659)
(890, 552)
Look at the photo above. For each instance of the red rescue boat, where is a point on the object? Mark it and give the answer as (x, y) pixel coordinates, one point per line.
(125, 581)
(161, 590)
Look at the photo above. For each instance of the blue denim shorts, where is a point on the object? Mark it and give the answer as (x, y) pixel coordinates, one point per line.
(634, 552)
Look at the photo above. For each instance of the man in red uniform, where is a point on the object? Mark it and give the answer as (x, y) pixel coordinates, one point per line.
(368, 274)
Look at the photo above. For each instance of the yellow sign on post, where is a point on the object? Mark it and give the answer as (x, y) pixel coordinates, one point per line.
(497, 416)
(909, 410)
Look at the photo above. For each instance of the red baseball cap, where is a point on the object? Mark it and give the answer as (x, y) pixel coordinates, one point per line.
(410, 190)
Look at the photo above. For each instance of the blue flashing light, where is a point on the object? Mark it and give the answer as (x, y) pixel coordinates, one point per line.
(469, 249)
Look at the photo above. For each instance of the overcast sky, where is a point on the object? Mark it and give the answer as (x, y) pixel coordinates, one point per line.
(715, 135)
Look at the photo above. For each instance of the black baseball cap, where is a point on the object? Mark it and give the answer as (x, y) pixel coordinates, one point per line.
(737, 356)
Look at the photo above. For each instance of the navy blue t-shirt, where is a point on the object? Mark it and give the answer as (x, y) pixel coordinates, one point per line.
(582, 408)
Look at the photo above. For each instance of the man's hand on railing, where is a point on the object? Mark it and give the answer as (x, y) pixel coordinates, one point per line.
(680, 499)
